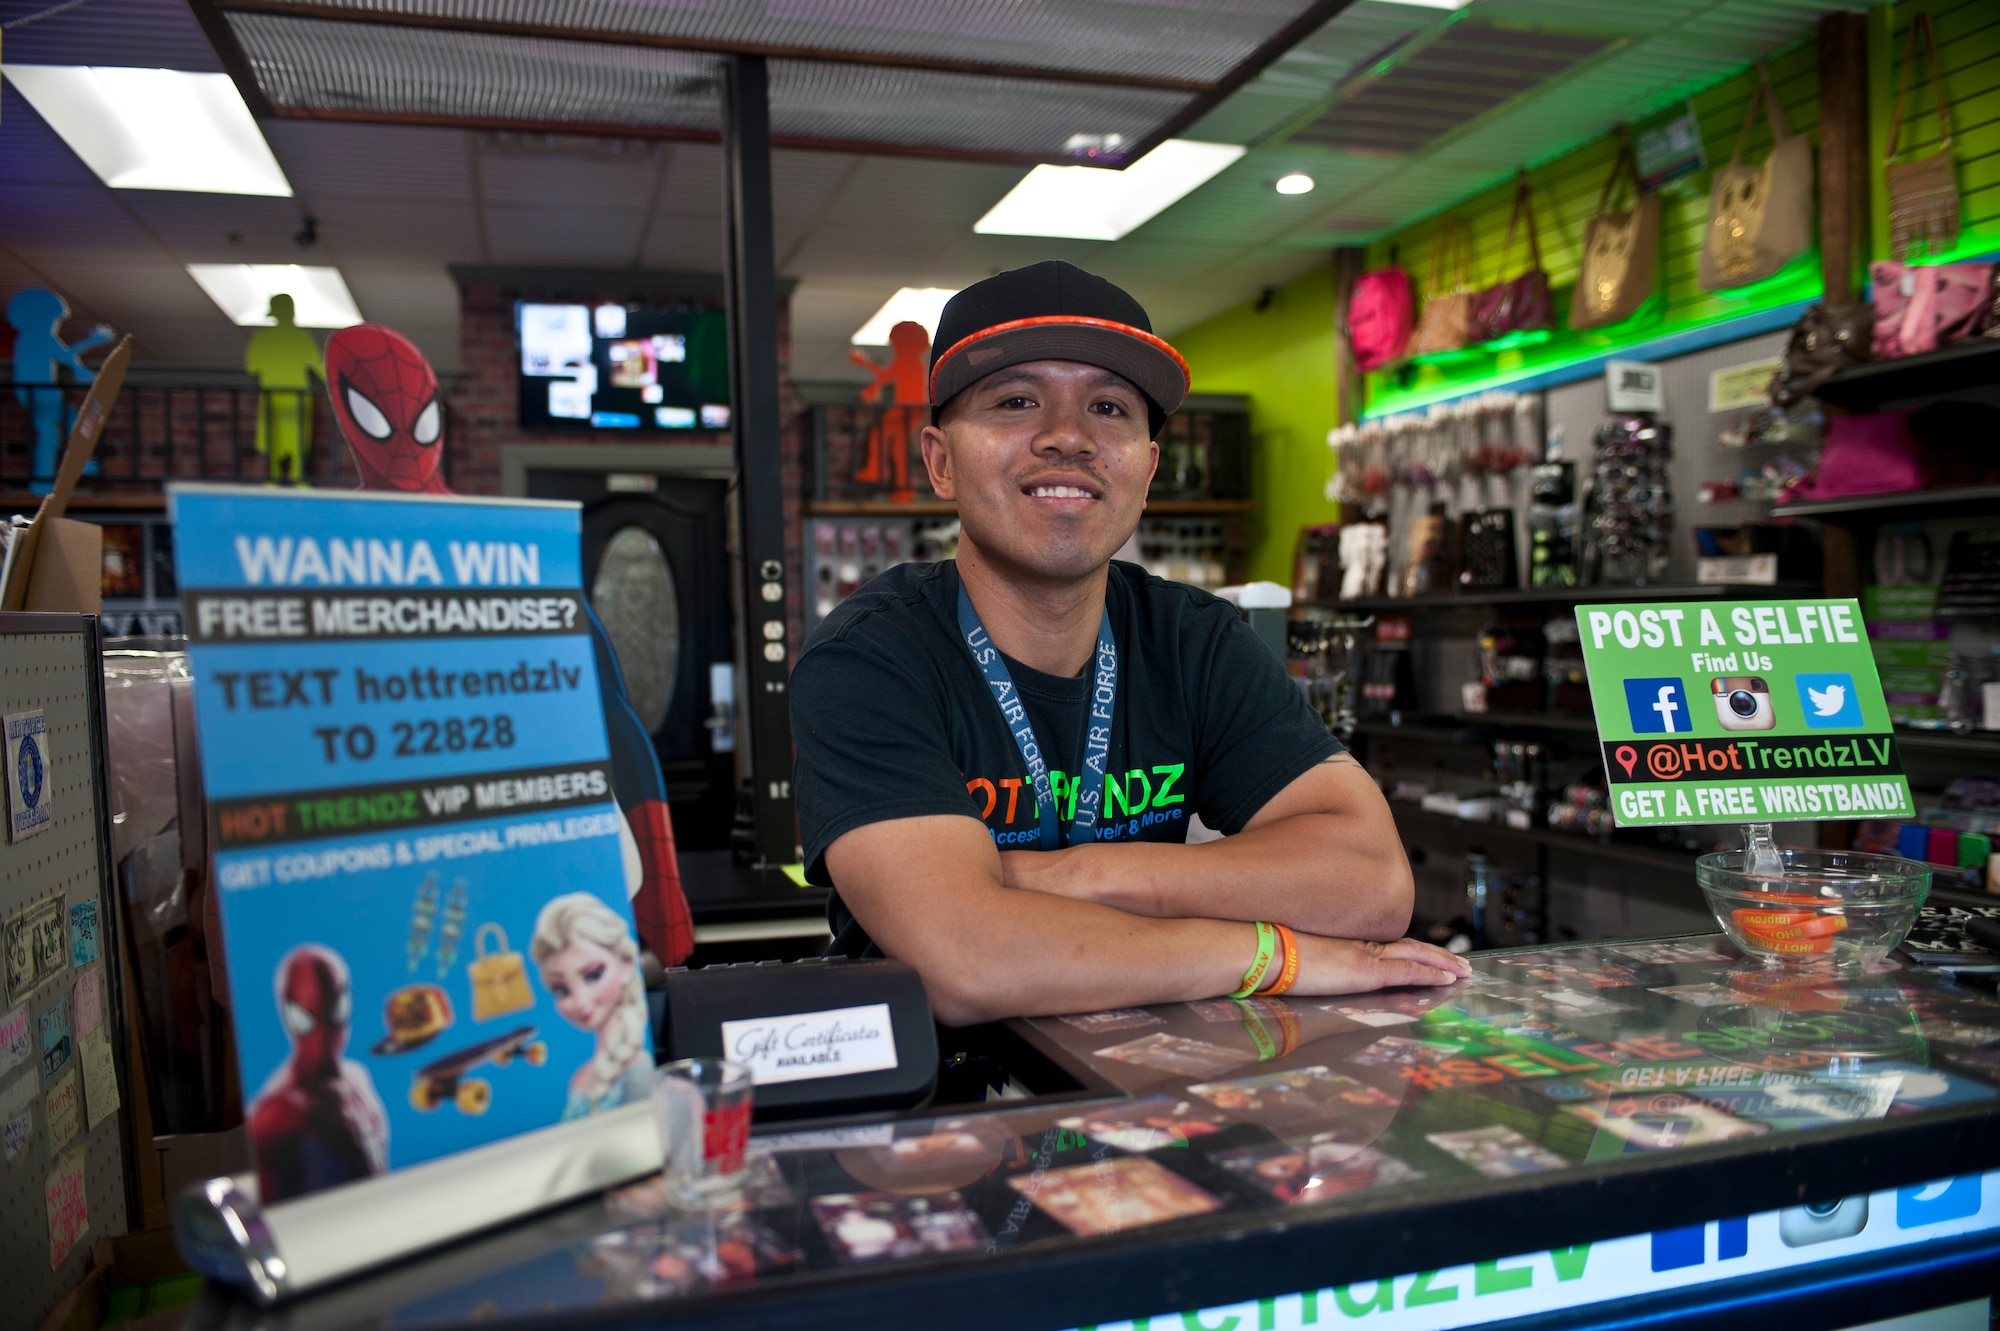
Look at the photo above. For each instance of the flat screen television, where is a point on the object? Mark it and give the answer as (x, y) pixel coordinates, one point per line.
(623, 367)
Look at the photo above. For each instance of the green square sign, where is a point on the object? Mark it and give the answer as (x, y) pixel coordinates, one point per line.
(1740, 712)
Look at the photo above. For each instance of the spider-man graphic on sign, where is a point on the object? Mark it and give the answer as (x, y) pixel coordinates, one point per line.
(385, 399)
(318, 1121)
(385, 396)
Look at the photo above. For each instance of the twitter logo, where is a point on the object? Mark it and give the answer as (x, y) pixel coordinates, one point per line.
(1829, 701)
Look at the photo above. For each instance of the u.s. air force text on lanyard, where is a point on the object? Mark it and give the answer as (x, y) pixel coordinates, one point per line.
(1096, 725)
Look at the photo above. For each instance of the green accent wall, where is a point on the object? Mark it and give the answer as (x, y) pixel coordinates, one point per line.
(1968, 36)
(1282, 358)
(1566, 191)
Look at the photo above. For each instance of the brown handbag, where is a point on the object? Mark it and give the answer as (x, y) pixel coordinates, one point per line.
(1621, 251)
(1923, 197)
(1759, 217)
(1446, 323)
(1827, 338)
(1520, 304)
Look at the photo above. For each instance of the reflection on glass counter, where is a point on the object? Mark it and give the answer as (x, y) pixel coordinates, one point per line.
(1546, 1062)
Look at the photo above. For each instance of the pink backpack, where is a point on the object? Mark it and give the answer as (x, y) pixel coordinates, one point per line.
(1380, 316)
(1920, 308)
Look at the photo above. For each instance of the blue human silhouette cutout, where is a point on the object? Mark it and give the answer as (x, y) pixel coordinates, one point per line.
(37, 315)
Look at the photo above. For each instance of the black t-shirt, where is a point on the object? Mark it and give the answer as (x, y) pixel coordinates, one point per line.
(893, 720)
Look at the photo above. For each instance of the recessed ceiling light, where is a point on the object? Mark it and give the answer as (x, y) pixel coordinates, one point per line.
(916, 304)
(154, 128)
(1296, 183)
(244, 290)
(1093, 203)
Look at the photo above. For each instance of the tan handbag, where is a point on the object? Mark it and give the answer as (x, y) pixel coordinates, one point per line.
(1621, 251)
(499, 978)
(1446, 323)
(1760, 217)
(1923, 197)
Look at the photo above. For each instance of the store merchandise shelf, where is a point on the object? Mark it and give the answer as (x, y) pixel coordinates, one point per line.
(1936, 741)
(1452, 727)
(1963, 497)
(944, 508)
(1413, 819)
(1865, 387)
(1568, 596)
(84, 501)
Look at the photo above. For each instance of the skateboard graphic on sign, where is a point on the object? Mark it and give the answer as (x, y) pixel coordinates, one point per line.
(445, 1079)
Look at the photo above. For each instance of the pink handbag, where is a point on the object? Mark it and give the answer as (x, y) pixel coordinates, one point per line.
(1919, 309)
(1866, 455)
(1380, 316)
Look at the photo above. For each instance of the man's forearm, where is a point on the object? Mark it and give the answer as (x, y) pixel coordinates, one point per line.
(1310, 871)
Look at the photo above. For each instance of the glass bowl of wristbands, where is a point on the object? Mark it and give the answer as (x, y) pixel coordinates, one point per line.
(1841, 906)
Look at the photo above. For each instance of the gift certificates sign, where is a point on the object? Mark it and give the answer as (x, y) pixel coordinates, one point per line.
(1740, 712)
(414, 831)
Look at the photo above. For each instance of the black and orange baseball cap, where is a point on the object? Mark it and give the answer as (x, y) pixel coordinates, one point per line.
(1053, 311)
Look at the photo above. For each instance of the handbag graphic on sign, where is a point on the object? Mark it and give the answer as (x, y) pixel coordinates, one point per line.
(499, 978)
(1923, 197)
(1620, 251)
(1516, 304)
(1759, 217)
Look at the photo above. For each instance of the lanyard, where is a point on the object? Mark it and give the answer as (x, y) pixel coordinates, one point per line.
(1089, 788)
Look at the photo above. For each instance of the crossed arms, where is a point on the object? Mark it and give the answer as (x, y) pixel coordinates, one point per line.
(1028, 933)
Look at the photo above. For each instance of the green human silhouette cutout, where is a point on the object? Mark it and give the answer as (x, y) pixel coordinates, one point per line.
(285, 359)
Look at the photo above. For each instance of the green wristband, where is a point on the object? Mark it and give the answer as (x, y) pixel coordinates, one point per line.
(1260, 965)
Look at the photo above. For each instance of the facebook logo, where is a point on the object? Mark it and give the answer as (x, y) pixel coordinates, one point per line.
(1688, 1246)
(1657, 706)
(1934, 1203)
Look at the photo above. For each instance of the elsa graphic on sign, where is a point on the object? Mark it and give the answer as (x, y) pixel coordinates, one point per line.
(590, 966)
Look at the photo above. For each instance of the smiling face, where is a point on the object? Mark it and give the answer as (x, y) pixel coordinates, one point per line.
(587, 981)
(1049, 463)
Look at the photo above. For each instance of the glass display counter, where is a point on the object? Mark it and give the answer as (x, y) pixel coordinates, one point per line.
(1582, 1135)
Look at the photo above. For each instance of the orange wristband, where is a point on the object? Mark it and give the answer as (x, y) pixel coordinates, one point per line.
(1289, 974)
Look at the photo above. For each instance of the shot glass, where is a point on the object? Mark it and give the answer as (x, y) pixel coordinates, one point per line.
(701, 1107)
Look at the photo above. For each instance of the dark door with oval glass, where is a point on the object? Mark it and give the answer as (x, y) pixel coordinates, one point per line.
(656, 571)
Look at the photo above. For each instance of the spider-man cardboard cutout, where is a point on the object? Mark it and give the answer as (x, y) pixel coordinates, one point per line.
(385, 396)
(385, 399)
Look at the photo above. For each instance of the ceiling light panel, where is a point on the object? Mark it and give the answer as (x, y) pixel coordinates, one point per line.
(243, 291)
(923, 305)
(1193, 42)
(1092, 203)
(161, 129)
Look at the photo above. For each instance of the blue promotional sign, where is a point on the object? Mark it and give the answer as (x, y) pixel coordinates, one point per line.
(417, 849)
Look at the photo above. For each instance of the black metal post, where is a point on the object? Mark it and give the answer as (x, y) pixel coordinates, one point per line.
(753, 367)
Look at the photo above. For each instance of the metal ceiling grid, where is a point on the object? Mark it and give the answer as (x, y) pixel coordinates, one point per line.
(1306, 75)
(355, 70)
(1193, 43)
(1468, 70)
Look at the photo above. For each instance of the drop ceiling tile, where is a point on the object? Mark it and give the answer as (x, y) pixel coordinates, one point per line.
(146, 34)
(326, 159)
(566, 235)
(203, 223)
(575, 173)
(410, 230)
(41, 221)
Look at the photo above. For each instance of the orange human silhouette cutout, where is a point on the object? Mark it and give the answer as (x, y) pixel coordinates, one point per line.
(907, 376)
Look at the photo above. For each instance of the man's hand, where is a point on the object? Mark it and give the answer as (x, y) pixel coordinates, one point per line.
(1331, 966)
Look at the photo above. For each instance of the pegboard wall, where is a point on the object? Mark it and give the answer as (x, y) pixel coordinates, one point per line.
(48, 662)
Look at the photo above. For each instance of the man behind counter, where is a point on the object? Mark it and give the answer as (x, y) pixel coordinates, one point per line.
(943, 711)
